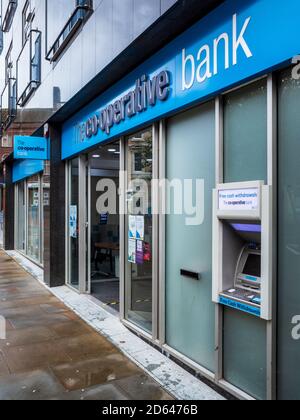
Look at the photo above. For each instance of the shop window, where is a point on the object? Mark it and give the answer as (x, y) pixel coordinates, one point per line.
(140, 247)
(29, 67)
(68, 15)
(245, 159)
(33, 218)
(8, 12)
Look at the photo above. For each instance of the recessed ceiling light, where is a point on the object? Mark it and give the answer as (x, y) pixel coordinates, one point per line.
(112, 150)
(96, 156)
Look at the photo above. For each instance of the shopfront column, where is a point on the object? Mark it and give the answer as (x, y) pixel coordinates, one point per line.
(54, 238)
(9, 220)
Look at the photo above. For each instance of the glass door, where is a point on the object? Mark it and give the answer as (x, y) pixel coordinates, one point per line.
(104, 225)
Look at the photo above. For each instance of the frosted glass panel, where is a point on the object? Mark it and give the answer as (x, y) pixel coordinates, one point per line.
(245, 353)
(245, 159)
(190, 320)
(289, 236)
(245, 134)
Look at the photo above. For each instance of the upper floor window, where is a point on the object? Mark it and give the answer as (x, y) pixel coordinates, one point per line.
(8, 11)
(8, 104)
(29, 67)
(27, 17)
(9, 64)
(6, 142)
(63, 19)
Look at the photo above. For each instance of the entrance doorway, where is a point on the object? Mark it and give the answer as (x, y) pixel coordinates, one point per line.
(104, 225)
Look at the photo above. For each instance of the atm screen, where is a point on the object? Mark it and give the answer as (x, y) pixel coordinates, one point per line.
(253, 266)
(246, 228)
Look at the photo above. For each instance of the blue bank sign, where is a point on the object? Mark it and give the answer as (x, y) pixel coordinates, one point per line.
(26, 147)
(239, 40)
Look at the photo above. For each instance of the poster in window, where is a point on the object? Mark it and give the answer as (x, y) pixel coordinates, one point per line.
(132, 227)
(140, 228)
(73, 222)
(132, 251)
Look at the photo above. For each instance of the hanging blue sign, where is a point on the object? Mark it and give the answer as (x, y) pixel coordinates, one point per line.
(23, 169)
(27, 147)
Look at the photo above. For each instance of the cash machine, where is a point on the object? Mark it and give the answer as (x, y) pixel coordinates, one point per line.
(243, 247)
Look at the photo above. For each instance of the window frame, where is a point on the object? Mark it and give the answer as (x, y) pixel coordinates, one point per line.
(83, 9)
(33, 84)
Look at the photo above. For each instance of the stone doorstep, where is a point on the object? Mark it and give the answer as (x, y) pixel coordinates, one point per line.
(174, 379)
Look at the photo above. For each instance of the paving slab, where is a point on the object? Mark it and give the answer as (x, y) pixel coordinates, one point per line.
(50, 353)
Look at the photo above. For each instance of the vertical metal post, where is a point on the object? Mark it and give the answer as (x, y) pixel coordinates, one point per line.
(82, 224)
(162, 234)
(155, 239)
(219, 310)
(123, 237)
(272, 181)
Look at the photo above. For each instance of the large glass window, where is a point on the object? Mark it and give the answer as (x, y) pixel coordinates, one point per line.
(245, 159)
(289, 237)
(46, 212)
(33, 215)
(58, 13)
(140, 229)
(245, 134)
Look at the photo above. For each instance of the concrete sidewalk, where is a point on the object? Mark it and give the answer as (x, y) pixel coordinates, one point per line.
(50, 353)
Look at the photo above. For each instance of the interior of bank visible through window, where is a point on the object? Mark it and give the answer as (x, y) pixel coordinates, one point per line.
(104, 273)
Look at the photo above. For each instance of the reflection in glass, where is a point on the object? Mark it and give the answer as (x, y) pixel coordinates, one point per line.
(73, 223)
(288, 235)
(245, 131)
(139, 201)
(33, 208)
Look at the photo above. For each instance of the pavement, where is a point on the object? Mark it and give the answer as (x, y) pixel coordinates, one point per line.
(49, 353)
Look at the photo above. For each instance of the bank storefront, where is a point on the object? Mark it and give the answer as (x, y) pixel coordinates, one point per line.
(31, 178)
(197, 149)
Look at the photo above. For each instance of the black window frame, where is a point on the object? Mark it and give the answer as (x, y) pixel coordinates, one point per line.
(34, 82)
(8, 15)
(8, 64)
(11, 87)
(83, 9)
(27, 18)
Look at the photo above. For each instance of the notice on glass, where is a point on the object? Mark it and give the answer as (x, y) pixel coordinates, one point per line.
(132, 227)
(132, 251)
(240, 199)
(140, 228)
(73, 222)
